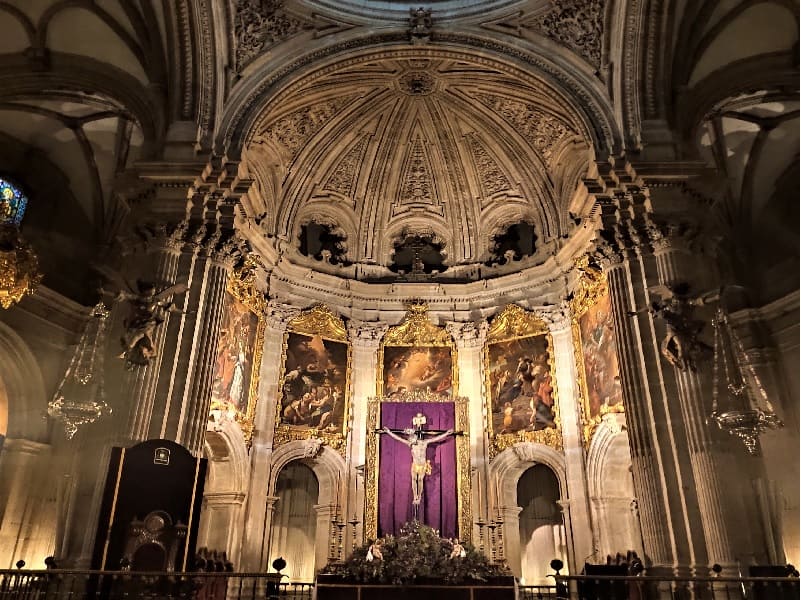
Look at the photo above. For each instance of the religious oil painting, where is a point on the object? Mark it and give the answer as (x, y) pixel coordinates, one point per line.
(522, 403)
(233, 384)
(313, 386)
(601, 376)
(315, 376)
(418, 369)
(521, 385)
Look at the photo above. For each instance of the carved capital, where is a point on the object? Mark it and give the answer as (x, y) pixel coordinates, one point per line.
(279, 314)
(366, 333)
(468, 334)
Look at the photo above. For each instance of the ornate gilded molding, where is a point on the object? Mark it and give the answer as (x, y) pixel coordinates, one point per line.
(242, 286)
(417, 330)
(321, 323)
(320, 320)
(516, 324)
(591, 288)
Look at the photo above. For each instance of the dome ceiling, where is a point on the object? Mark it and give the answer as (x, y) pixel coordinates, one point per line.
(453, 150)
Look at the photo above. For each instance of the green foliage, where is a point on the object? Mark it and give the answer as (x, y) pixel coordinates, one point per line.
(416, 555)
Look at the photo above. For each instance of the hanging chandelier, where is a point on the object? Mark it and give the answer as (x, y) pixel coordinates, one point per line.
(738, 412)
(19, 267)
(80, 398)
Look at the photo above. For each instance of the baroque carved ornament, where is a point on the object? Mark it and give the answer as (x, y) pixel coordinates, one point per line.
(261, 24)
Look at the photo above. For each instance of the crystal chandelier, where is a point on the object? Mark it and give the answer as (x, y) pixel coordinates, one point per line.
(19, 267)
(80, 398)
(739, 414)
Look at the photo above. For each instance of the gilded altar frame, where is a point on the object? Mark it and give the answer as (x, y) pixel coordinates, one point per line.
(416, 331)
(319, 320)
(462, 424)
(591, 288)
(242, 287)
(515, 323)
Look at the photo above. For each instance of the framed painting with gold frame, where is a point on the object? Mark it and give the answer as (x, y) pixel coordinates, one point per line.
(417, 366)
(235, 382)
(522, 402)
(372, 454)
(595, 348)
(417, 357)
(315, 379)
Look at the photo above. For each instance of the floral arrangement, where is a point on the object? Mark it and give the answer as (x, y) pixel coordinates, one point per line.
(417, 554)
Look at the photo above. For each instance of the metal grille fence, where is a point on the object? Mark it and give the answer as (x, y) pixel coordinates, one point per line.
(117, 585)
(578, 587)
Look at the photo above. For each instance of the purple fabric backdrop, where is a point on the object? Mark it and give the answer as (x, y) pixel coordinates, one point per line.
(439, 509)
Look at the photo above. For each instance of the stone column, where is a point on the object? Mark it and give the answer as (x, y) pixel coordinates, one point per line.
(670, 256)
(20, 495)
(656, 462)
(220, 528)
(577, 522)
(258, 515)
(470, 338)
(673, 463)
(365, 338)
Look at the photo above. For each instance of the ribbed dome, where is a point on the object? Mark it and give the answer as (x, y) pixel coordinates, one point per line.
(453, 149)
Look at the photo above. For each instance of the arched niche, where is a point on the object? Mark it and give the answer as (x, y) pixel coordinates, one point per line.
(329, 469)
(611, 489)
(27, 520)
(541, 527)
(294, 526)
(226, 488)
(505, 472)
(24, 388)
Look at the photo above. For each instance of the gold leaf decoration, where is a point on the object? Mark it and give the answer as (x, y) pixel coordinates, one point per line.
(591, 288)
(514, 322)
(417, 330)
(320, 320)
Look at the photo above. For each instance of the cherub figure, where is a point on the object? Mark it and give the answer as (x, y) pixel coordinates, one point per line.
(457, 550)
(681, 345)
(148, 309)
(374, 552)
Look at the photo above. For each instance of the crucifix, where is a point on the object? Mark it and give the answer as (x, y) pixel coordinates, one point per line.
(418, 443)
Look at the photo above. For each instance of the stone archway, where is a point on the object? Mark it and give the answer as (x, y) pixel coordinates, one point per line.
(610, 486)
(329, 468)
(505, 472)
(27, 521)
(226, 489)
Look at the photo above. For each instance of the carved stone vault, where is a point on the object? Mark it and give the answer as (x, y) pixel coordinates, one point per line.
(441, 143)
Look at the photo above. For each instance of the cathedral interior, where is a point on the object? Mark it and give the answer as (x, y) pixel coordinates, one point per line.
(567, 229)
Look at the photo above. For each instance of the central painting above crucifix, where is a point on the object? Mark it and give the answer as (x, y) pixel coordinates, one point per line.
(417, 445)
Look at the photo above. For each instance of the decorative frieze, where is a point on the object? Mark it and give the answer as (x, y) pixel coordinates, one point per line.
(541, 130)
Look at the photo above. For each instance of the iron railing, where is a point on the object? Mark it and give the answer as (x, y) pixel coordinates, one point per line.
(597, 587)
(119, 585)
(536, 592)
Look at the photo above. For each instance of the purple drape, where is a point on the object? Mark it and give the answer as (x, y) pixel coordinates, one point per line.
(439, 508)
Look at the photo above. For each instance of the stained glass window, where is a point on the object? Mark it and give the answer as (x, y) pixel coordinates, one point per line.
(12, 204)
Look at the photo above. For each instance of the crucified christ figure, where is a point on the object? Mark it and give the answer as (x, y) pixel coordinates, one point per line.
(420, 465)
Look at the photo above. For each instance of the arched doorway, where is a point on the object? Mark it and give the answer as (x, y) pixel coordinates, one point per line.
(294, 525)
(225, 491)
(542, 531)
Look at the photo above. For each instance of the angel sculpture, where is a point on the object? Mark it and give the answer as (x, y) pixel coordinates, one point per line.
(149, 308)
(681, 345)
